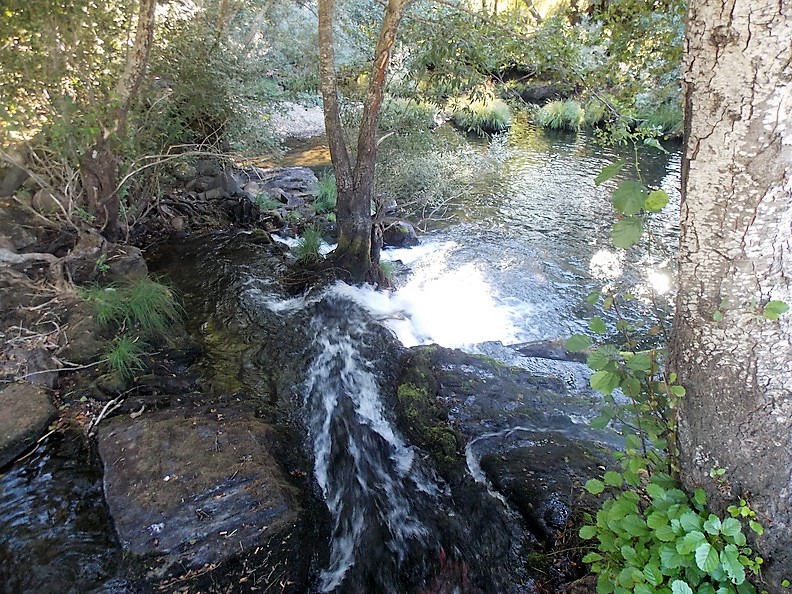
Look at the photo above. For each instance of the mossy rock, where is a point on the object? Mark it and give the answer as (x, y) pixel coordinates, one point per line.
(423, 417)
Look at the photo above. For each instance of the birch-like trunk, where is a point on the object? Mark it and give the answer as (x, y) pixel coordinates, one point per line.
(735, 257)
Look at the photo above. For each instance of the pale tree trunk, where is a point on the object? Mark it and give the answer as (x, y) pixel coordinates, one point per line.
(355, 184)
(735, 257)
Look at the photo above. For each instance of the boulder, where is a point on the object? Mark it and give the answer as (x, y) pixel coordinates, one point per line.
(27, 412)
(194, 486)
(399, 233)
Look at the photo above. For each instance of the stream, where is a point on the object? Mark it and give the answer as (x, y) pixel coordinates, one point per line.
(511, 264)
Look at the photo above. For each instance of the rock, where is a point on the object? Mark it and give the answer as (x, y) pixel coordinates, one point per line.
(542, 474)
(208, 167)
(27, 412)
(399, 233)
(45, 202)
(15, 228)
(184, 171)
(196, 486)
(11, 176)
(282, 183)
(126, 263)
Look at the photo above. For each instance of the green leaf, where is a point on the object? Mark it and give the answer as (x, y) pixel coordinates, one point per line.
(578, 343)
(629, 197)
(593, 297)
(774, 309)
(729, 558)
(613, 479)
(600, 358)
(691, 521)
(592, 558)
(644, 589)
(595, 486)
(656, 200)
(717, 316)
(713, 524)
(731, 527)
(700, 496)
(654, 143)
(756, 527)
(627, 232)
(596, 325)
(587, 532)
(604, 381)
(634, 525)
(640, 362)
(653, 574)
(680, 587)
(690, 542)
(656, 519)
(608, 172)
(706, 557)
(669, 558)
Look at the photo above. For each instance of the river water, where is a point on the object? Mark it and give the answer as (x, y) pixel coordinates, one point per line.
(511, 263)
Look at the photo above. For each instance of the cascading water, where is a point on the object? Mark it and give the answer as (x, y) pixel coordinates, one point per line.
(367, 474)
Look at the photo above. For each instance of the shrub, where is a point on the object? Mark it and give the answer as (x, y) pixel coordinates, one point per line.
(482, 116)
(266, 202)
(406, 114)
(560, 115)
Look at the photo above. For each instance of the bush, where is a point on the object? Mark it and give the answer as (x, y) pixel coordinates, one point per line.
(482, 116)
(560, 115)
(406, 114)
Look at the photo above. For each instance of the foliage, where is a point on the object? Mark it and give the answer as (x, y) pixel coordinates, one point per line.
(481, 115)
(650, 535)
(388, 268)
(327, 194)
(561, 115)
(665, 119)
(143, 306)
(307, 250)
(125, 355)
(405, 115)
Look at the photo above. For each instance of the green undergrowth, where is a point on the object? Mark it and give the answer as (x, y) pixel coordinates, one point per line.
(327, 194)
(560, 115)
(650, 536)
(307, 250)
(135, 315)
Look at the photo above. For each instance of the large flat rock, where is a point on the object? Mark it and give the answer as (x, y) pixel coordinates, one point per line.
(196, 485)
(25, 412)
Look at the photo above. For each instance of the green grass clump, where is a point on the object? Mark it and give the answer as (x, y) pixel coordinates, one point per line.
(125, 356)
(482, 116)
(145, 305)
(327, 194)
(307, 250)
(667, 119)
(387, 268)
(561, 115)
(265, 202)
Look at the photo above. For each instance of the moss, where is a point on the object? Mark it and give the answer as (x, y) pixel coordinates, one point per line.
(424, 419)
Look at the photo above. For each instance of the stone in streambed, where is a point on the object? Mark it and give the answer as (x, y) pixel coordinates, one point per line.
(196, 486)
(26, 412)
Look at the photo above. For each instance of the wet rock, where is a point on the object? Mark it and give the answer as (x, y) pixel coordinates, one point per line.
(27, 411)
(399, 233)
(542, 474)
(196, 486)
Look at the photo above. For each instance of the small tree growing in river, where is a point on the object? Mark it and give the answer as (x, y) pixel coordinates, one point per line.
(356, 251)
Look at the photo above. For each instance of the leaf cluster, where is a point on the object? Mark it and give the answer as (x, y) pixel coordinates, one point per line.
(652, 538)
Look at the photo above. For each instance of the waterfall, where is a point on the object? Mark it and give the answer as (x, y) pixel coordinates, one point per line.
(368, 476)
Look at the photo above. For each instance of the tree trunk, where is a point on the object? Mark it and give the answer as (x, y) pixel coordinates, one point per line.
(355, 186)
(99, 165)
(735, 257)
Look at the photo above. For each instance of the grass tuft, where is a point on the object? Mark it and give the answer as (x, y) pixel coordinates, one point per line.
(307, 250)
(327, 194)
(482, 116)
(125, 356)
(561, 115)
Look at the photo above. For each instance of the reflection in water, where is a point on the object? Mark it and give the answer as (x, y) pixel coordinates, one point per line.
(606, 265)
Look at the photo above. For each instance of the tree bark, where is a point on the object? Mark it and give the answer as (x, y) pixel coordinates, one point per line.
(99, 165)
(355, 185)
(735, 257)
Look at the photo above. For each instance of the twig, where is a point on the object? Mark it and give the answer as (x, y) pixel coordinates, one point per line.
(108, 408)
